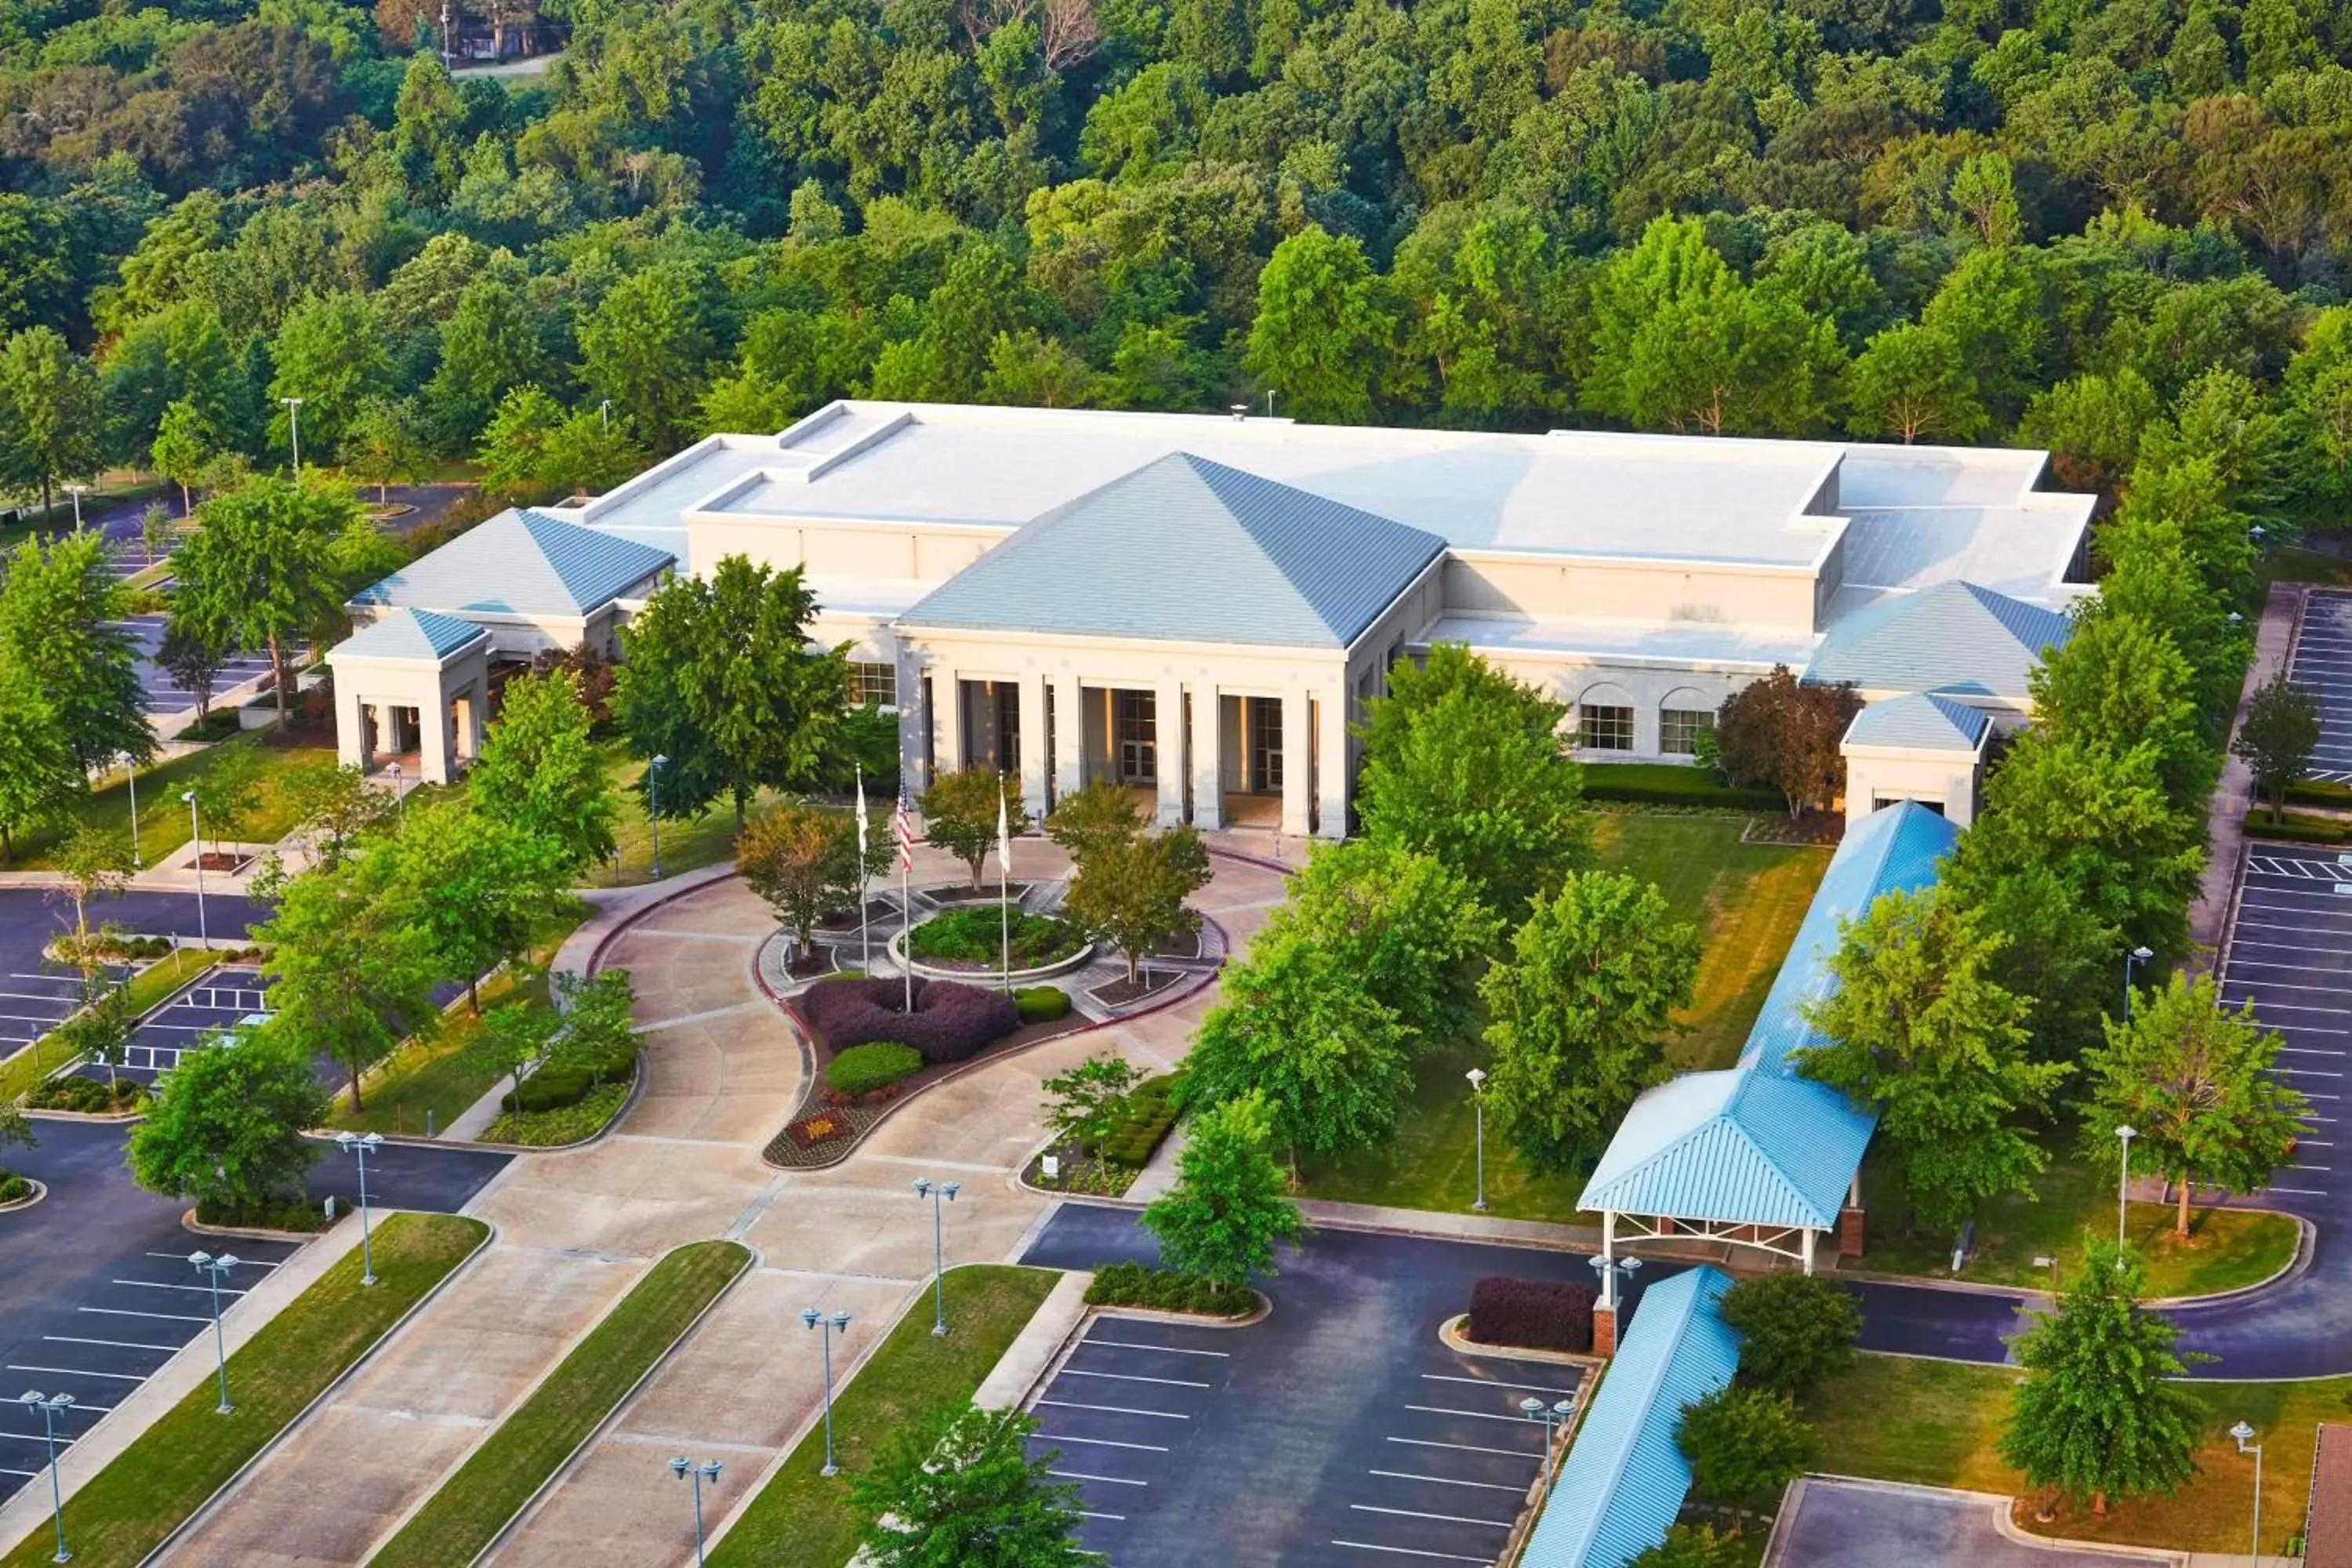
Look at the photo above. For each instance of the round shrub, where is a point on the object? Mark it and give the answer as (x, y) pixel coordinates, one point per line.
(553, 1089)
(861, 1070)
(950, 1021)
(13, 1186)
(1041, 1003)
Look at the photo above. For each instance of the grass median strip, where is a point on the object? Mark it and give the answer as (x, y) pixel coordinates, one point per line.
(177, 1463)
(802, 1517)
(473, 1505)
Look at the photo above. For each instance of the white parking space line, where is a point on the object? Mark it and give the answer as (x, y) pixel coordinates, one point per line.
(162, 1285)
(2300, 1192)
(1090, 1513)
(127, 1313)
(1442, 1518)
(1488, 1562)
(1073, 1404)
(1445, 1480)
(1095, 1442)
(29, 1474)
(1130, 1377)
(1490, 1382)
(110, 1345)
(37, 1437)
(1480, 1415)
(1468, 1448)
(1107, 1480)
(77, 1371)
(1171, 1350)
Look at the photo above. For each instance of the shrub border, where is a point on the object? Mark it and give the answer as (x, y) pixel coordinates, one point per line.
(897, 948)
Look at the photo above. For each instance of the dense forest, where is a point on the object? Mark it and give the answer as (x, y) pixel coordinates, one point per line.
(2110, 227)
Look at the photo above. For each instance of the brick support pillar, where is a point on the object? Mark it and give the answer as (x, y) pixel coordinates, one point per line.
(1851, 1228)
(1604, 1332)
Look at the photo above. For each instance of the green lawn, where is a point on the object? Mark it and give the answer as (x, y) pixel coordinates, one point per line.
(2226, 1247)
(162, 819)
(802, 1517)
(1935, 1423)
(686, 845)
(182, 1460)
(1748, 900)
(472, 1506)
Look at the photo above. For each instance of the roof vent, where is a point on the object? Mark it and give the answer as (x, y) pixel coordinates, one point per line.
(1241, 412)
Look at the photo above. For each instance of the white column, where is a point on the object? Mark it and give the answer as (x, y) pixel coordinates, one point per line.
(436, 728)
(1331, 764)
(1069, 736)
(1033, 744)
(1609, 1257)
(946, 721)
(387, 730)
(1208, 769)
(1295, 782)
(1809, 1234)
(469, 723)
(353, 737)
(1168, 726)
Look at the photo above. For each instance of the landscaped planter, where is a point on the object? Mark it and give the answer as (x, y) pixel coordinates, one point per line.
(1076, 960)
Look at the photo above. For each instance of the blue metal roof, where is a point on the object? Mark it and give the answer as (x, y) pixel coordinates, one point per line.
(525, 564)
(1920, 723)
(1624, 1479)
(1758, 1143)
(1954, 637)
(1189, 550)
(411, 635)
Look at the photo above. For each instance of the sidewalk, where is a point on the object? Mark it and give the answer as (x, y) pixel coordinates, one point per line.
(2224, 829)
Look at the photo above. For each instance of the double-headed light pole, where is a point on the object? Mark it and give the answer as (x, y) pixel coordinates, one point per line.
(215, 1270)
(837, 1323)
(359, 1146)
(942, 1194)
(684, 1469)
(51, 1406)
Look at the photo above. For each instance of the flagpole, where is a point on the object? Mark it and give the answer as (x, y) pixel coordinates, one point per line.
(865, 944)
(1003, 904)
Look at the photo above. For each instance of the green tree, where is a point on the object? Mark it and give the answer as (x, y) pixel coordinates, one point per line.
(429, 126)
(1744, 1446)
(2197, 1079)
(1909, 382)
(719, 678)
(1781, 734)
(2280, 732)
(61, 613)
(329, 351)
(226, 1125)
(476, 885)
(1087, 1097)
(1577, 1017)
(353, 963)
(380, 445)
(520, 452)
(1225, 1213)
(100, 1027)
(1130, 892)
(803, 860)
(96, 864)
(1407, 928)
(52, 414)
(542, 770)
(1102, 813)
(648, 346)
(1917, 1027)
(228, 791)
(2092, 425)
(2119, 681)
(489, 348)
(1695, 1546)
(39, 777)
(960, 813)
(185, 445)
(1322, 330)
(2099, 1414)
(1464, 763)
(1794, 1329)
(334, 807)
(962, 1490)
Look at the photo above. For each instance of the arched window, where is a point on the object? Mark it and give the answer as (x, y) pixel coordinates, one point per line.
(1604, 719)
(1684, 717)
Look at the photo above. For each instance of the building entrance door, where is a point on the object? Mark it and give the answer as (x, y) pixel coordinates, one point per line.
(1137, 722)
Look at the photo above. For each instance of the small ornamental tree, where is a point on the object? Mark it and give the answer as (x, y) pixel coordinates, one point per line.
(1087, 1097)
(1221, 1218)
(228, 791)
(542, 770)
(963, 1491)
(1695, 1546)
(2100, 1414)
(2197, 1079)
(802, 859)
(226, 1125)
(1101, 813)
(1744, 1446)
(960, 813)
(193, 655)
(101, 1026)
(352, 962)
(476, 886)
(334, 807)
(1795, 1330)
(2280, 732)
(1781, 734)
(15, 1127)
(95, 864)
(1130, 892)
(1578, 1015)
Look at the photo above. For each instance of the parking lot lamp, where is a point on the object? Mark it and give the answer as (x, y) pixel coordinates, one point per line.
(1611, 1270)
(51, 1407)
(399, 804)
(2131, 960)
(215, 1270)
(940, 1192)
(653, 808)
(1477, 1077)
(76, 492)
(830, 1326)
(1554, 1416)
(361, 1146)
(2126, 1133)
(294, 432)
(130, 777)
(685, 1470)
(196, 831)
(2244, 1435)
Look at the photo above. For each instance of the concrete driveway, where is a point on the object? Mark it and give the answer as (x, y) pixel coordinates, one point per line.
(1871, 1524)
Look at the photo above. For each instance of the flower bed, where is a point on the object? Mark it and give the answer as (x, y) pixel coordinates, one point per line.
(976, 936)
(573, 1123)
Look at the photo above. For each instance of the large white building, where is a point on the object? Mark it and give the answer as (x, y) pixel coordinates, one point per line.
(1199, 605)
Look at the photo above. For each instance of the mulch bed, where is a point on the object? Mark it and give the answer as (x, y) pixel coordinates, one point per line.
(1185, 948)
(218, 860)
(966, 894)
(878, 912)
(1121, 992)
(809, 966)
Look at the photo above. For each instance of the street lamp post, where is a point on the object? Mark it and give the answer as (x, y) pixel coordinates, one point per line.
(76, 492)
(937, 1192)
(837, 1323)
(1610, 1270)
(196, 831)
(684, 1469)
(2136, 956)
(130, 777)
(215, 1270)
(653, 808)
(604, 413)
(1554, 1416)
(294, 432)
(51, 1407)
(399, 804)
(2244, 1435)
(1477, 1077)
(2125, 1134)
(361, 1146)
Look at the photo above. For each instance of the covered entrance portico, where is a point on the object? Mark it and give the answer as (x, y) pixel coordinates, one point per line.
(413, 682)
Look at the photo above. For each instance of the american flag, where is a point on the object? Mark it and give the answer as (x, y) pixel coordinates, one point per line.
(902, 826)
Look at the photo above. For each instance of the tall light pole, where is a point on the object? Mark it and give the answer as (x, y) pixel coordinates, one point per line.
(837, 1323)
(2244, 1435)
(130, 777)
(76, 492)
(653, 808)
(1554, 1416)
(361, 1147)
(294, 432)
(1610, 1270)
(605, 413)
(2125, 1133)
(196, 831)
(2136, 957)
(51, 1407)
(215, 1270)
(940, 1194)
(1477, 1077)
(684, 1469)
(399, 804)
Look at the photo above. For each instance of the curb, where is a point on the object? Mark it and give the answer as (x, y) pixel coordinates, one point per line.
(102, 1117)
(40, 1190)
(1249, 1319)
(189, 1222)
(1456, 1339)
(896, 950)
(636, 1093)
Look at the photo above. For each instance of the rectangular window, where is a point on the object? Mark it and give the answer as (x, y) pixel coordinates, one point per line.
(874, 685)
(1600, 729)
(1680, 728)
(1135, 718)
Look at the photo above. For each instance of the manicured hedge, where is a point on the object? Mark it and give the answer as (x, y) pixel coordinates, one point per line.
(1149, 1110)
(13, 1186)
(1667, 783)
(560, 1088)
(2317, 792)
(952, 1021)
(1165, 1290)
(1533, 1314)
(1041, 1004)
(979, 935)
(861, 1070)
(2296, 829)
(89, 1096)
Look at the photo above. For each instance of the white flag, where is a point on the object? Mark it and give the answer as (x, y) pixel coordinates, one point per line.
(1004, 837)
(861, 816)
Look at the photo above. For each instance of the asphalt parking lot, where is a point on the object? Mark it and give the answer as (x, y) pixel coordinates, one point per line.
(159, 690)
(217, 1000)
(2322, 663)
(36, 1000)
(35, 994)
(2290, 953)
(1338, 1433)
(1869, 1524)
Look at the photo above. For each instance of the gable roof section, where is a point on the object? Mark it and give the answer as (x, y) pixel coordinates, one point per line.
(1917, 722)
(1952, 637)
(1624, 1479)
(419, 636)
(1185, 548)
(521, 563)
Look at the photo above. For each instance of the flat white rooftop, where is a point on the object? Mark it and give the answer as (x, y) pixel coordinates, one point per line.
(1670, 644)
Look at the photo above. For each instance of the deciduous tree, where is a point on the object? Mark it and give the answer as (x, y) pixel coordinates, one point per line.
(542, 770)
(39, 777)
(2280, 732)
(1794, 1329)
(1782, 734)
(960, 813)
(1100, 812)
(1130, 892)
(1085, 1098)
(477, 886)
(52, 414)
(193, 657)
(1409, 928)
(226, 1125)
(1744, 1444)
(802, 859)
(1225, 1213)
(61, 609)
(963, 1491)
(352, 962)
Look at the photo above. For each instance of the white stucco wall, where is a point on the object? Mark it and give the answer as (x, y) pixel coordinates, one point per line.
(1877, 776)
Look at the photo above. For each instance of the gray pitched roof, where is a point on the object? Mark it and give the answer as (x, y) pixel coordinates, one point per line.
(1919, 723)
(411, 634)
(1954, 637)
(1189, 550)
(521, 563)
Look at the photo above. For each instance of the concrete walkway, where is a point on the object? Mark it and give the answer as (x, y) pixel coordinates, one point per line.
(2225, 817)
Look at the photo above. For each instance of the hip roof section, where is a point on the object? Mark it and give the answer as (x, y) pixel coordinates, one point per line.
(523, 562)
(417, 637)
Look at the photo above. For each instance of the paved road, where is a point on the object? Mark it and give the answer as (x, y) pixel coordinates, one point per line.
(1859, 1524)
(1338, 1432)
(2323, 662)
